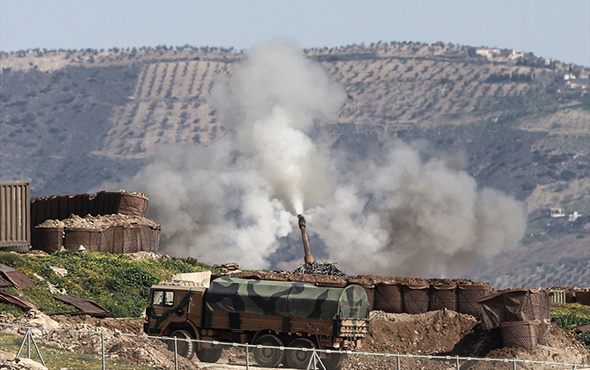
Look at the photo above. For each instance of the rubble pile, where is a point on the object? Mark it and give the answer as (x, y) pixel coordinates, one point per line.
(319, 268)
(228, 267)
(97, 222)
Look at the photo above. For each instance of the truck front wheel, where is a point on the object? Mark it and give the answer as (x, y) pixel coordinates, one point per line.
(184, 344)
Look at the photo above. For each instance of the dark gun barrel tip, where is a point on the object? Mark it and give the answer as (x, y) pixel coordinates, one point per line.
(301, 220)
(308, 257)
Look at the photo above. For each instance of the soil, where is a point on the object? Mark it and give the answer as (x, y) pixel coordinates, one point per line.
(442, 332)
(449, 333)
(97, 222)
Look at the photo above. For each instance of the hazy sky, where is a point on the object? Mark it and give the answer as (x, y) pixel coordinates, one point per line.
(550, 29)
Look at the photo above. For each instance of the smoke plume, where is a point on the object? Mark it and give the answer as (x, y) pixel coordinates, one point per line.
(274, 98)
(415, 216)
(398, 211)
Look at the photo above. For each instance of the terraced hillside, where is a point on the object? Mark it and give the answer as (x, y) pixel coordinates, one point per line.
(71, 120)
(423, 85)
(169, 102)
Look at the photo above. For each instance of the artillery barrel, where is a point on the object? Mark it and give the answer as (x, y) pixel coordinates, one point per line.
(302, 226)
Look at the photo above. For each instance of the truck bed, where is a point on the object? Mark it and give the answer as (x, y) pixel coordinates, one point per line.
(255, 322)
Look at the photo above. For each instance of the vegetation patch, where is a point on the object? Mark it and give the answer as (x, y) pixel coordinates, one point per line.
(115, 282)
(570, 316)
(535, 100)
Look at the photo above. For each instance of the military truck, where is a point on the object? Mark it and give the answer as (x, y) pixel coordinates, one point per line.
(260, 312)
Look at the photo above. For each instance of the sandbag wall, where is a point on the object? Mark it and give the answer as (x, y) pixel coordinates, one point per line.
(60, 207)
(522, 315)
(113, 239)
(415, 298)
(122, 228)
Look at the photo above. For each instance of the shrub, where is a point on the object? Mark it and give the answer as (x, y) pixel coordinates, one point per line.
(570, 316)
(585, 338)
(567, 175)
(528, 186)
(570, 321)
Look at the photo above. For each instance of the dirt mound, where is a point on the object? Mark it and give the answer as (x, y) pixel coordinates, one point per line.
(97, 222)
(451, 333)
(357, 279)
(137, 351)
(430, 332)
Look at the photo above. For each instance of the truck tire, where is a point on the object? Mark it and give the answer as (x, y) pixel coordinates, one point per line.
(296, 358)
(333, 361)
(209, 355)
(184, 348)
(268, 357)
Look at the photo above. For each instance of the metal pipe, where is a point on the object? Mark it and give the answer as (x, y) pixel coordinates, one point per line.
(302, 226)
(104, 363)
(175, 353)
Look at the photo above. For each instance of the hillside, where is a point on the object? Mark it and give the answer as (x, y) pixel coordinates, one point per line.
(73, 120)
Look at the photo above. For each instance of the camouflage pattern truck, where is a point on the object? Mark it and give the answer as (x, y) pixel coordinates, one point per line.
(265, 312)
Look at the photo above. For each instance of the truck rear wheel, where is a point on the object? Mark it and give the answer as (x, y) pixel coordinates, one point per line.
(268, 357)
(184, 344)
(333, 361)
(206, 353)
(299, 359)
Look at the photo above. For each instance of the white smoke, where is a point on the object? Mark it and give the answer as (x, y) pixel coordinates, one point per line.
(415, 217)
(396, 212)
(276, 94)
(211, 204)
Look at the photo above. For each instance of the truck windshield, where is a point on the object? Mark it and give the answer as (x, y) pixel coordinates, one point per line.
(163, 298)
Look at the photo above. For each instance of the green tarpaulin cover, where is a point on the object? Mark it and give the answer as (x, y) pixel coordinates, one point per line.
(285, 298)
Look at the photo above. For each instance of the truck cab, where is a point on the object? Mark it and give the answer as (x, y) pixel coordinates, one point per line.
(173, 307)
(176, 309)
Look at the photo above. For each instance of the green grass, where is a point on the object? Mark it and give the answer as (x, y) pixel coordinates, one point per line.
(115, 282)
(58, 358)
(581, 206)
(571, 315)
